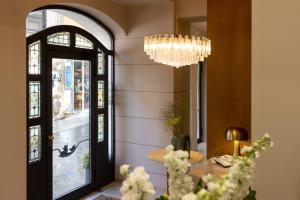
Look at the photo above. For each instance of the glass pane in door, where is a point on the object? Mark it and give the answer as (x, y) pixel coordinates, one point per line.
(71, 125)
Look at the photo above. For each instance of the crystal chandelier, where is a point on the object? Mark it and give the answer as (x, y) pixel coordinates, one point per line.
(176, 50)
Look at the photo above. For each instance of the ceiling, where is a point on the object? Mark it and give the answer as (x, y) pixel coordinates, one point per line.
(138, 2)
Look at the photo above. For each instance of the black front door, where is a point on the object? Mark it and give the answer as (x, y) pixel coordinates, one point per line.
(68, 123)
(71, 122)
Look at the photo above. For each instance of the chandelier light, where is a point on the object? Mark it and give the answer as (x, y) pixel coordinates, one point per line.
(176, 50)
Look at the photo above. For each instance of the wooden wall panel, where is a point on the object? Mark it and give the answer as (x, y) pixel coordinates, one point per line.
(228, 71)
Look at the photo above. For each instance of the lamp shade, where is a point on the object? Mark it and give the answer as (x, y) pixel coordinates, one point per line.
(238, 134)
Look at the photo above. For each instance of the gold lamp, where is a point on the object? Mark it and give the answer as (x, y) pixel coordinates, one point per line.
(236, 135)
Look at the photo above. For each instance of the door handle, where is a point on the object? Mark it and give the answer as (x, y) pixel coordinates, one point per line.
(50, 138)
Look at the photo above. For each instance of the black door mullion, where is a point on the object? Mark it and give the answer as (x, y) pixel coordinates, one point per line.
(102, 163)
(37, 187)
(48, 122)
(44, 111)
(93, 114)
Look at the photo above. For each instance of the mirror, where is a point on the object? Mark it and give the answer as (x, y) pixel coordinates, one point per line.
(190, 83)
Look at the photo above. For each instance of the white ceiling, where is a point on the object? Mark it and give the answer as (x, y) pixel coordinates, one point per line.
(138, 2)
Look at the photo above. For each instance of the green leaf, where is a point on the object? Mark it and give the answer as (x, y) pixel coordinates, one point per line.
(251, 195)
(198, 187)
(163, 197)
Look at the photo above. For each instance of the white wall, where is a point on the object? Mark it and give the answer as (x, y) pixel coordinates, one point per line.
(276, 96)
(142, 89)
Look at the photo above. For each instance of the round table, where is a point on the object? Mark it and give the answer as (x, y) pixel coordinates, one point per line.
(159, 154)
(206, 167)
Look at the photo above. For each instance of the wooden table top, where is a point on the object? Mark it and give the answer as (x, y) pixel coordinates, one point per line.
(204, 169)
(159, 154)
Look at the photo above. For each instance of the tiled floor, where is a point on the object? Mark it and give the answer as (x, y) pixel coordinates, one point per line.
(113, 190)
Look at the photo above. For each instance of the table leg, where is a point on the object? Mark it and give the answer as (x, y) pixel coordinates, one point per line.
(167, 182)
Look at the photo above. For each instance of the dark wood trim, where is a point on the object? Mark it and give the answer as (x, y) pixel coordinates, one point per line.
(228, 72)
(193, 19)
(200, 103)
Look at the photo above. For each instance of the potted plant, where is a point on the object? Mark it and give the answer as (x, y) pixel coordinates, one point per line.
(86, 166)
(175, 121)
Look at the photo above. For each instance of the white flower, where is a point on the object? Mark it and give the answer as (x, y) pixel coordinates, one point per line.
(189, 196)
(202, 194)
(170, 148)
(246, 149)
(124, 170)
(139, 172)
(177, 165)
(267, 135)
(137, 186)
(211, 186)
(233, 186)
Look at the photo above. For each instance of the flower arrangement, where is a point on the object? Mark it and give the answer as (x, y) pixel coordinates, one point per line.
(175, 121)
(177, 166)
(236, 185)
(174, 116)
(137, 185)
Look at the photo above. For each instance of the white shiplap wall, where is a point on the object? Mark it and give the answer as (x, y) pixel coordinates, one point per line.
(142, 89)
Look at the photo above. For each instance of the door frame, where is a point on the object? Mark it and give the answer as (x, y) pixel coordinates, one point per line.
(101, 173)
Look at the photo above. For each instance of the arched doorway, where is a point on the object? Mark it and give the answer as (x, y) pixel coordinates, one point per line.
(69, 114)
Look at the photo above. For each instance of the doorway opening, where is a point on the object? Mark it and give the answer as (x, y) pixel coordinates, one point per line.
(69, 112)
